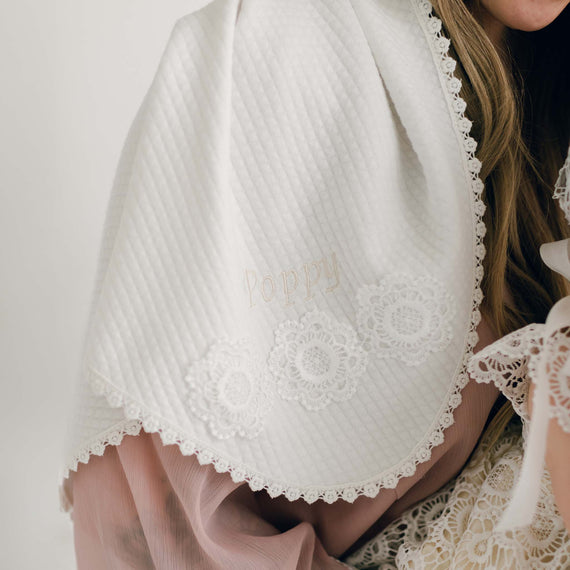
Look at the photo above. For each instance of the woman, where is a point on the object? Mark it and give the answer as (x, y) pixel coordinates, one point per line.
(298, 254)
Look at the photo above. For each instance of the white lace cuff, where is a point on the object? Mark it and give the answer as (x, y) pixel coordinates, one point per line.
(506, 364)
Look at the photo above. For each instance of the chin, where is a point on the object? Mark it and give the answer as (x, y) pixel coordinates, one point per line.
(525, 15)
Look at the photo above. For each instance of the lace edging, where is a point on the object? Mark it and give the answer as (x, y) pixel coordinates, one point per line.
(138, 416)
(562, 188)
(439, 45)
(557, 345)
(507, 363)
(511, 364)
(112, 436)
(97, 446)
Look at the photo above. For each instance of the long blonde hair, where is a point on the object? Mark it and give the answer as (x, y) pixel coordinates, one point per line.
(516, 101)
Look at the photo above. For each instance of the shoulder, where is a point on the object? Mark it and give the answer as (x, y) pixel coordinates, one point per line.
(292, 54)
(280, 21)
(208, 17)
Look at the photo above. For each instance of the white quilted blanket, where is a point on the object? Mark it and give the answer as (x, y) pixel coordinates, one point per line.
(289, 279)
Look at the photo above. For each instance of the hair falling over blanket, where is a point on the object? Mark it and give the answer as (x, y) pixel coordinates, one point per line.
(515, 99)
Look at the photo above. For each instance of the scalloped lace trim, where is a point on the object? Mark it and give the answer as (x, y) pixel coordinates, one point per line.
(112, 436)
(439, 46)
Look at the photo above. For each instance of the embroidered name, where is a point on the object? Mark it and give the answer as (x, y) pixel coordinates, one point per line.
(292, 284)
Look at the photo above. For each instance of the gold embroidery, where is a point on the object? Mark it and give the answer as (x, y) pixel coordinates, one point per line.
(249, 285)
(270, 279)
(308, 281)
(312, 276)
(289, 293)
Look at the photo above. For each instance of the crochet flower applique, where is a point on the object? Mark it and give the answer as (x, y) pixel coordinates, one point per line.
(316, 360)
(405, 317)
(231, 389)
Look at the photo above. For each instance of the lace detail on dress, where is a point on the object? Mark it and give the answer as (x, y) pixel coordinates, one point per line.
(231, 389)
(380, 553)
(405, 317)
(317, 360)
(558, 345)
(510, 363)
(455, 527)
(562, 188)
(506, 364)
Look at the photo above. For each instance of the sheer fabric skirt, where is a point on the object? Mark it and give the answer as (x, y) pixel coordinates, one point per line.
(144, 505)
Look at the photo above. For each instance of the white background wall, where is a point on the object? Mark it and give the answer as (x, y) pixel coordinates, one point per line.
(72, 74)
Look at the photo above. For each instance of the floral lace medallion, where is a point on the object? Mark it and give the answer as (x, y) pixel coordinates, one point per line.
(562, 188)
(405, 317)
(316, 360)
(559, 377)
(231, 389)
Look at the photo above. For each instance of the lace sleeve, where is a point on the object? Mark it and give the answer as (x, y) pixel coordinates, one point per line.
(537, 353)
(558, 363)
(510, 363)
(562, 188)
(506, 364)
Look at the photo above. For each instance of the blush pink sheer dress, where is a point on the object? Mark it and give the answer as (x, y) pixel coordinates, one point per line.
(144, 505)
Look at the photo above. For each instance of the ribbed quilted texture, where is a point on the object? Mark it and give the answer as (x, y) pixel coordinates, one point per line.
(277, 137)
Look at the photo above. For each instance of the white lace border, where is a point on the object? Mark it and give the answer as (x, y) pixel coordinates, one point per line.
(137, 417)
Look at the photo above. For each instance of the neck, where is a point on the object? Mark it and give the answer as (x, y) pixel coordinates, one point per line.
(494, 29)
